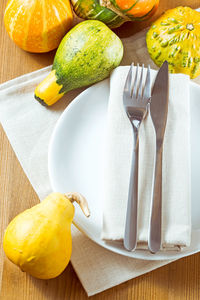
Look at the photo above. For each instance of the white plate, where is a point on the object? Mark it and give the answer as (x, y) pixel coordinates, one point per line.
(76, 159)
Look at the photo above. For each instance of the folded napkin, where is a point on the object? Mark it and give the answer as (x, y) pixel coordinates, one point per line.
(176, 195)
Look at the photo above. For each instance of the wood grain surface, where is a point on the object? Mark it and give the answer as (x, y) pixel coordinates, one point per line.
(179, 280)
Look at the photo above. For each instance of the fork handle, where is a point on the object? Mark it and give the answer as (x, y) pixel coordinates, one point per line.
(130, 236)
(154, 240)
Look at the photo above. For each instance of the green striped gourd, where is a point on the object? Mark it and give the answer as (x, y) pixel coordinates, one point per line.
(114, 12)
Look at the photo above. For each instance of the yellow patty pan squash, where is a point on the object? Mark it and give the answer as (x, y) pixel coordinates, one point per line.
(39, 239)
(175, 37)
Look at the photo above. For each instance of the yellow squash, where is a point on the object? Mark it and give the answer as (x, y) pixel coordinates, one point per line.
(175, 37)
(39, 239)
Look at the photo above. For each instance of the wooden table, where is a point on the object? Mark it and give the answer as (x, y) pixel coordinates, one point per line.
(178, 280)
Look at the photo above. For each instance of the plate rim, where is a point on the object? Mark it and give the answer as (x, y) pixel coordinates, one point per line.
(175, 255)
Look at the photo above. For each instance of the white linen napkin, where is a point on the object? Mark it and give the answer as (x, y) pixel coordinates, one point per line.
(28, 126)
(176, 194)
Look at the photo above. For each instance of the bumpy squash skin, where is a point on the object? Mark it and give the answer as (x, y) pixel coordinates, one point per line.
(87, 54)
(39, 239)
(175, 37)
(38, 26)
(91, 9)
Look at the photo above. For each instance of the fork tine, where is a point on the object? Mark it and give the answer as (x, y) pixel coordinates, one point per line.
(147, 86)
(128, 84)
(140, 84)
(135, 83)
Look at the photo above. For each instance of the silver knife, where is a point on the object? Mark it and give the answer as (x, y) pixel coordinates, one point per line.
(158, 111)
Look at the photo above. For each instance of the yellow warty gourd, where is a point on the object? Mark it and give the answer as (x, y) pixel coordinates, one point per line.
(39, 239)
(175, 37)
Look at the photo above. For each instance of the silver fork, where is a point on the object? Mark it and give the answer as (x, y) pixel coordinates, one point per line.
(135, 99)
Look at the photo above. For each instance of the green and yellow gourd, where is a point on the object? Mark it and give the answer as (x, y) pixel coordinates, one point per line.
(175, 37)
(87, 54)
(115, 12)
(91, 9)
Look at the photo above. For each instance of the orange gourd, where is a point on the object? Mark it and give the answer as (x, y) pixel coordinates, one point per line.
(38, 25)
(115, 12)
(136, 9)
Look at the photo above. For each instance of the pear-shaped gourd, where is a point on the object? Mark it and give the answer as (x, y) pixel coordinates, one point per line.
(39, 239)
(87, 54)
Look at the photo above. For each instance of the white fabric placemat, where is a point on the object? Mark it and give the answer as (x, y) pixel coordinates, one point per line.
(176, 196)
(28, 126)
(97, 268)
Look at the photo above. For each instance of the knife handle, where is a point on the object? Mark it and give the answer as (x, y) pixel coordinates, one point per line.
(154, 241)
(130, 235)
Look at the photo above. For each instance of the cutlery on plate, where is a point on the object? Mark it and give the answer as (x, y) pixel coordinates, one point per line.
(135, 100)
(158, 111)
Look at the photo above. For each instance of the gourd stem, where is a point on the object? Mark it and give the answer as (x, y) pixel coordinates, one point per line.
(109, 5)
(190, 26)
(73, 196)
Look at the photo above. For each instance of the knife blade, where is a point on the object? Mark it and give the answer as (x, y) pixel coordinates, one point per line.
(159, 101)
(158, 112)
